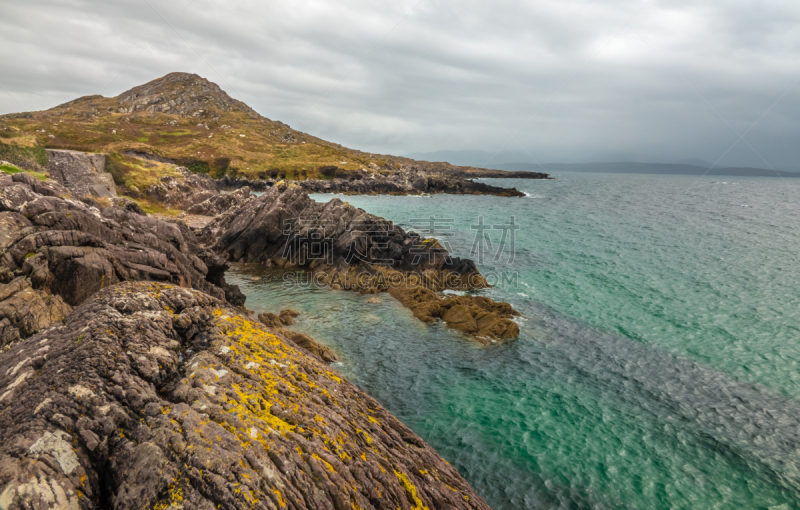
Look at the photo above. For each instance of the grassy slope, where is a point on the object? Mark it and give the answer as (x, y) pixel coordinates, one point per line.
(93, 124)
(136, 173)
(236, 141)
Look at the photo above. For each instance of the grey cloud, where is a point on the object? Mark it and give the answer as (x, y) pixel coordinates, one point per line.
(452, 75)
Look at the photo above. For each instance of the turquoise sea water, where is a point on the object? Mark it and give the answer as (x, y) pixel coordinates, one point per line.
(657, 367)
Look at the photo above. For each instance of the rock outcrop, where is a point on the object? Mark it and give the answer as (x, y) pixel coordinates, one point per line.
(82, 173)
(179, 94)
(286, 228)
(347, 248)
(196, 194)
(57, 252)
(478, 316)
(157, 396)
(460, 172)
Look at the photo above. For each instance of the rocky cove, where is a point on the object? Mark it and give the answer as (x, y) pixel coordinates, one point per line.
(132, 375)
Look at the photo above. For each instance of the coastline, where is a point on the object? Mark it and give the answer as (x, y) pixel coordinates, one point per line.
(420, 184)
(70, 267)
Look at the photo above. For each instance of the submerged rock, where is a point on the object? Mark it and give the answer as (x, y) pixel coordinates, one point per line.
(479, 316)
(155, 396)
(284, 318)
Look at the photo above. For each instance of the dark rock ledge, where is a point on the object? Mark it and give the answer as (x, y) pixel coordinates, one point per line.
(158, 396)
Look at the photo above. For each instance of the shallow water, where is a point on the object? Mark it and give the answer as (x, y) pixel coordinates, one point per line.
(657, 367)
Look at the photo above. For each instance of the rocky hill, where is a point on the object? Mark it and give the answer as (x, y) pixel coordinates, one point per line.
(191, 121)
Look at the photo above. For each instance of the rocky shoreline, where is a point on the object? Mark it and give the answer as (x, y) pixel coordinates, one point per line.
(156, 396)
(415, 184)
(131, 375)
(406, 179)
(346, 247)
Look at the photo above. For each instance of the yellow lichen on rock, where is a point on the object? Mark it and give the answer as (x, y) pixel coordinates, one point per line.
(412, 491)
(229, 413)
(174, 498)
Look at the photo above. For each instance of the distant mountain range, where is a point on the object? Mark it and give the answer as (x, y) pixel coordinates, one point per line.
(478, 158)
(645, 168)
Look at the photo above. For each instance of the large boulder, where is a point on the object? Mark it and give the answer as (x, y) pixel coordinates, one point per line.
(82, 173)
(158, 396)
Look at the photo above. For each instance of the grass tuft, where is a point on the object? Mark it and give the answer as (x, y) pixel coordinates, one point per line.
(137, 174)
(151, 207)
(11, 170)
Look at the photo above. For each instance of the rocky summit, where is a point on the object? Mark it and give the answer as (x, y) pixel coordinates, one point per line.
(180, 94)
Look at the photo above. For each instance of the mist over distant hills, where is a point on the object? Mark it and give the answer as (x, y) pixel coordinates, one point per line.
(508, 160)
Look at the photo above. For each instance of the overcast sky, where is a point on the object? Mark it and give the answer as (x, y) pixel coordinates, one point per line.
(550, 81)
